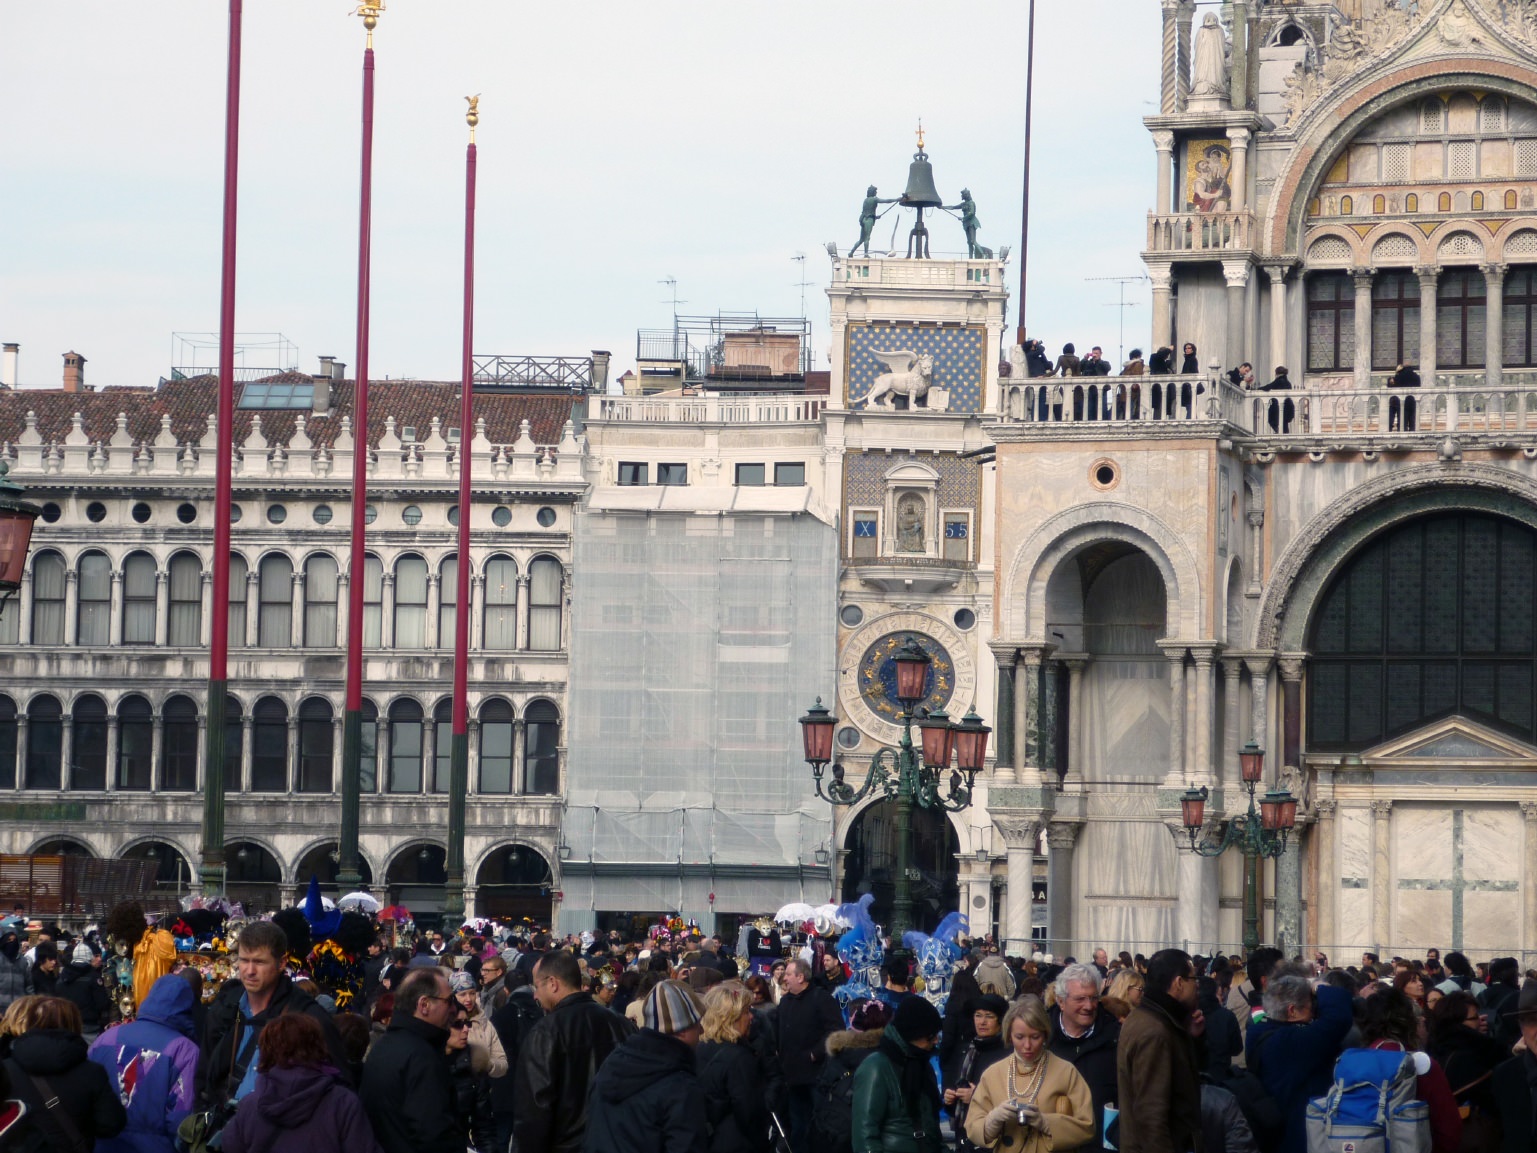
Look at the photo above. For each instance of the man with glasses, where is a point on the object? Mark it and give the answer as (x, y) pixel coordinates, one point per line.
(493, 984)
(1084, 1034)
(407, 1090)
(1158, 1077)
(559, 1058)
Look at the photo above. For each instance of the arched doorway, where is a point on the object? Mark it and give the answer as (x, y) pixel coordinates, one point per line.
(253, 877)
(514, 882)
(323, 862)
(174, 874)
(872, 859)
(415, 878)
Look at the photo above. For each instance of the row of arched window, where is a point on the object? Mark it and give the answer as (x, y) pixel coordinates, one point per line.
(409, 611)
(272, 751)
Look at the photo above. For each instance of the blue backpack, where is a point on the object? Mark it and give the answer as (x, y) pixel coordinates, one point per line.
(1372, 1108)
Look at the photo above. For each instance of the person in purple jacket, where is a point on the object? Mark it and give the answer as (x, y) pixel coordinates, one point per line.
(301, 1103)
(152, 1063)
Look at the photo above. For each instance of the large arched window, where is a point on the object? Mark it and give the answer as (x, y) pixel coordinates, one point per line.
(234, 746)
(45, 742)
(321, 587)
(1395, 319)
(448, 598)
(1331, 322)
(373, 602)
(1461, 298)
(8, 732)
(139, 599)
(541, 756)
(135, 743)
(410, 603)
(93, 625)
(275, 610)
(1432, 618)
(88, 744)
(496, 737)
(178, 745)
(405, 767)
(184, 628)
(269, 746)
(48, 599)
(501, 625)
(443, 745)
(544, 596)
(317, 743)
(239, 573)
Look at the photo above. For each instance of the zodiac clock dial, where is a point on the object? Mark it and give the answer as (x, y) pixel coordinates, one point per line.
(868, 687)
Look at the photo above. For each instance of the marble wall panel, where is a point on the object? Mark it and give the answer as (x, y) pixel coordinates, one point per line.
(1353, 928)
(1491, 923)
(1421, 917)
(1422, 841)
(1354, 850)
(1492, 842)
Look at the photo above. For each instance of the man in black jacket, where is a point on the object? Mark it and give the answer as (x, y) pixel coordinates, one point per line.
(1084, 1034)
(513, 1022)
(807, 1014)
(1515, 1082)
(242, 1008)
(559, 1059)
(408, 1091)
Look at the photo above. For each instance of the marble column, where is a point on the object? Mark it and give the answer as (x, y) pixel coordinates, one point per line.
(1020, 836)
(1205, 710)
(1163, 143)
(1195, 912)
(1163, 320)
(1072, 778)
(1291, 710)
(21, 751)
(292, 773)
(1061, 837)
(1232, 739)
(162, 623)
(200, 772)
(434, 603)
(1239, 81)
(115, 608)
(477, 611)
(1277, 274)
(1325, 930)
(1529, 883)
(1256, 519)
(520, 624)
(1429, 276)
(112, 740)
(1174, 778)
(1494, 327)
(430, 756)
(1238, 148)
(252, 607)
(240, 779)
(24, 610)
(205, 625)
(1184, 15)
(71, 606)
(1168, 84)
(387, 611)
(343, 613)
(1259, 685)
(67, 753)
(1363, 313)
(156, 751)
(1236, 273)
(1288, 896)
(1006, 725)
(1382, 873)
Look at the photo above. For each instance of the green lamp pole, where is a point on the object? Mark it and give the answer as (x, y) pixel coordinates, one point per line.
(1260, 833)
(910, 774)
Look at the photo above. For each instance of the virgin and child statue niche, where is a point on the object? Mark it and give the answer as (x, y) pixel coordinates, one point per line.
(910, 524)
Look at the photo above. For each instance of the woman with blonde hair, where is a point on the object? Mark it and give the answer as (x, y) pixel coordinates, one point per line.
(1127, 985)
(1031, 1101)
(728, 1072)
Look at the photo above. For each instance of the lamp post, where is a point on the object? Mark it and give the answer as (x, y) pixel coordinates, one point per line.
(908, 774)
(1260, 833)
(16, 519)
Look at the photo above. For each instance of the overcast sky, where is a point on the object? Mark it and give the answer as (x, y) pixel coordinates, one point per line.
(620, 144)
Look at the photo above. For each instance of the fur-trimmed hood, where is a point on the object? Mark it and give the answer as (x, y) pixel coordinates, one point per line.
(846, 1039)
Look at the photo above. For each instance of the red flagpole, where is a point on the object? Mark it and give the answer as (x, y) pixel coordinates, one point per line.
(458, 784)
(211, 869)
(348, 875)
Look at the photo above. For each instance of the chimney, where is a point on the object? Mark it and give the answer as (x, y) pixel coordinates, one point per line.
(74, 372)
(325, 366)
(338, 370)
(321, 404)
(8, 377)
(600, 358)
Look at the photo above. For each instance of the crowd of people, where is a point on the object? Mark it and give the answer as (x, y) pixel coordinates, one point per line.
(491, 1040)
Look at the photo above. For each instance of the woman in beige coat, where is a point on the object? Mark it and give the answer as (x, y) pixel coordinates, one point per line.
(1036, 1100)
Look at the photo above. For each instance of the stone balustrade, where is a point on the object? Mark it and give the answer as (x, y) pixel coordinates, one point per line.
(1173, 232)
(786, 409)
(1475, 408)
(949, 272)
(1133, 404)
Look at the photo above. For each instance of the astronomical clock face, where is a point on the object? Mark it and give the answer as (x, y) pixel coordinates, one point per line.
(868, 685)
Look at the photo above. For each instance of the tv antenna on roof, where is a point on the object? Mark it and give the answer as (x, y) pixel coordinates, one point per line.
(1123, 304)
(803, 284)
(672, 283)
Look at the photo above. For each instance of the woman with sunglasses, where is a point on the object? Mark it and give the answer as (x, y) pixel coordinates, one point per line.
(469, 1066)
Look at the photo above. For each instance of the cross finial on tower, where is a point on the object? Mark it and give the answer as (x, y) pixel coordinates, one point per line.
(920, 134)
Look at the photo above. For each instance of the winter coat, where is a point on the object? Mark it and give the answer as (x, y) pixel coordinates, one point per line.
(1224, 1038)
(152, 1063)
(472, 1096)
(1515, 1088)
(81, 986)
(15, 980)
(1064, 1100)
(1468, 1058)
(733, 1094)
(647, 1099)
(1223, 1125)
(1094, 1058)
(407, 1091)
(885, 1119)
(1158, 1087)
(555, 1071)
(1297, 1063)
(513, 1022)
(84, 1092)
(965, 1067)
(300, 1109)
(832, 1115)
(213, 1074)
(803, 1023)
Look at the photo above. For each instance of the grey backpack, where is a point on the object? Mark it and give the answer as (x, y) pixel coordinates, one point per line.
(1372, 1108)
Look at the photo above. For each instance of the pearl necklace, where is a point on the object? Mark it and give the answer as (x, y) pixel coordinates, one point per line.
(1036, 1074)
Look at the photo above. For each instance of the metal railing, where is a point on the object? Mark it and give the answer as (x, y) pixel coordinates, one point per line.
(568, 373)
(1124, 402)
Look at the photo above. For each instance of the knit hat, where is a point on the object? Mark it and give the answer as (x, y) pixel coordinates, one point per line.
(461, 982)
(989, 1003)
(672, 1007)
(871, 1015)
(82, 955)
(916, 1019)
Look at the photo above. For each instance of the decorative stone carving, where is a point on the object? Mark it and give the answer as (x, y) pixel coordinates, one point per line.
(1061, 836)
(1353, 44)
(1018, 832)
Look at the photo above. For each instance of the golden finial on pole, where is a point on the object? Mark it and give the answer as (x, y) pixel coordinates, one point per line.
(370, 10)
(920, 134)
(472, 114)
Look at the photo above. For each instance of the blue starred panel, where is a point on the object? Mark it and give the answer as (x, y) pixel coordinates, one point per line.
(959, 359)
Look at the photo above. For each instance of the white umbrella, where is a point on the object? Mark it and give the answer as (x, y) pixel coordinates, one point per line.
(366, 902)
(795, 912)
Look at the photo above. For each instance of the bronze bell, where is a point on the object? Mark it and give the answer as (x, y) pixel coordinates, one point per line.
(920, 191)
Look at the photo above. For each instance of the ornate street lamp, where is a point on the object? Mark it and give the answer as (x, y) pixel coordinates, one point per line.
(1260, 833)
(16, 518)
(938, 772)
